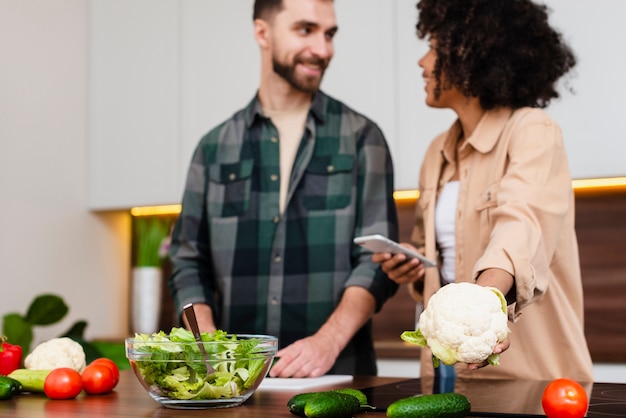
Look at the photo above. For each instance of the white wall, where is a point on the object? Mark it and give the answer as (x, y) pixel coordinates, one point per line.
(49, 241)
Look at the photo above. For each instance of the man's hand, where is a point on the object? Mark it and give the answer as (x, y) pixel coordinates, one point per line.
(315, 355)
(309, 357)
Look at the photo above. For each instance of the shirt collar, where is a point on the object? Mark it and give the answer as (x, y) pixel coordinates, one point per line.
(484, 137)
(318, 106)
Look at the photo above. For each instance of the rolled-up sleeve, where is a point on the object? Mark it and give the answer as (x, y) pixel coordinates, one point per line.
(533, 199)
(191, 280)
(375, 212)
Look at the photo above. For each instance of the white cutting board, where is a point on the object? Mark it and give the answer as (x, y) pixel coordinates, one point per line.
(299, 384)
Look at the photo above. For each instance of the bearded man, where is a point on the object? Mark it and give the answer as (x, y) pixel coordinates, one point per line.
(273, 199)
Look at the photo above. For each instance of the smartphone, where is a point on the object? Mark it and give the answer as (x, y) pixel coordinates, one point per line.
(380, 244)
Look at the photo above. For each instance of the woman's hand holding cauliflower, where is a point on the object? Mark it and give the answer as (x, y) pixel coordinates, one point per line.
(463, 322)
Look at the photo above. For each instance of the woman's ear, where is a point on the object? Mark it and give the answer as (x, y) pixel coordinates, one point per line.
(262, 33)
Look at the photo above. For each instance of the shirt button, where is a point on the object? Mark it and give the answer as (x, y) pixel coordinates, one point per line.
(274, 140)
(274, 177)
(232, 176)
(330, 169)
(276, 219)
(274, 301)
(277, 259)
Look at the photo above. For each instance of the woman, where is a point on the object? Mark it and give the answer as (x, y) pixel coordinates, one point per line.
(496, 204)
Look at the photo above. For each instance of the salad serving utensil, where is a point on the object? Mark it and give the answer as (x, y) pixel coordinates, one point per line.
(193, 324)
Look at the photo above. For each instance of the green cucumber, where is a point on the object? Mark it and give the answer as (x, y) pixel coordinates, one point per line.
(440, 405)
(9, 387)
(31, 380)
(331, 405)
(297, 402)
(356, 393)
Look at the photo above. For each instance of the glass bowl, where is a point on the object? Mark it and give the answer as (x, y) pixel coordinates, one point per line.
(175, 373)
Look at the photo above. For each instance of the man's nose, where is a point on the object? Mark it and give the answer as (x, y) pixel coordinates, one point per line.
(322, 47)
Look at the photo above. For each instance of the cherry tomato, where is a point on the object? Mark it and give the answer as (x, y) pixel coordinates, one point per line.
(97, 379)
(564, 398)
(62, 383)
(111, 365)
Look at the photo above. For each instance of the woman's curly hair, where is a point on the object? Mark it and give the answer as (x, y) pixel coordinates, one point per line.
(502, 51)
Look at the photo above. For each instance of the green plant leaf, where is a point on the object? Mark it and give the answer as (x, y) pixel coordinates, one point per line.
(17, 330)
(76, 331)
(46, 309)
(150, 231)
(115, 352)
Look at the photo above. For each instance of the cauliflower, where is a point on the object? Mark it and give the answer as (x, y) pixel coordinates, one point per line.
(463, 322)
(55, 353)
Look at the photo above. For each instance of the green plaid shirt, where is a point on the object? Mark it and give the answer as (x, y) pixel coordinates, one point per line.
(283, 274)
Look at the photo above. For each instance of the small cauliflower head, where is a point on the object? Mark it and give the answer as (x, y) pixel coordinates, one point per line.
(55, 353)
(463, 322)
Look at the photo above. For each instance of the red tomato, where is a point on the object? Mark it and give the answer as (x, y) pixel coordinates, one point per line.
(62, 383)
(564, 398)
(111, 365)
(97, 379)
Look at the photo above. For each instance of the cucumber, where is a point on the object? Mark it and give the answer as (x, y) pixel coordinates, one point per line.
(31, 380)
(9, 387)
(297, 402)
(356, 393)
(440, 405)
(331, 405)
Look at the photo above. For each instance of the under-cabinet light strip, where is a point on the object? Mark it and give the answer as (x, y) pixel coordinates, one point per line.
(599, 184)
(155, 210)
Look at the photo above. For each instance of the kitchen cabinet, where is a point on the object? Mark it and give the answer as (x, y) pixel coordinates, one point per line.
(134, 125)
(162, 74)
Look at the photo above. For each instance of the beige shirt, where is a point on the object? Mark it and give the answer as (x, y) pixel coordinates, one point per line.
(290, 125)
(515, 212)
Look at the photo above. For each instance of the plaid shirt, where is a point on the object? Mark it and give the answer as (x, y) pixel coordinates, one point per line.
(283, 274)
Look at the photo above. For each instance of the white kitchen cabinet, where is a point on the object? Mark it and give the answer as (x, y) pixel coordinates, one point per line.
(163, 73)
(220, 67)
(134, 103)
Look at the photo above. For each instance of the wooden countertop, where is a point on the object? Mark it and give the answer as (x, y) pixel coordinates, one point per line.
(129, 399)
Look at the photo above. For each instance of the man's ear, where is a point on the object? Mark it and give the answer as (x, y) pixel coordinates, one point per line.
(262, 33)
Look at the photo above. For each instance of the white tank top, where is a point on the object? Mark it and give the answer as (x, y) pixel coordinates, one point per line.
(445, 211)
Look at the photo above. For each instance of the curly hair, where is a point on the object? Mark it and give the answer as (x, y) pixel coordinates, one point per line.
(503, 52)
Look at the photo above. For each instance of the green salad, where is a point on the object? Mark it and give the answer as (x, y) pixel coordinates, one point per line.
(179, 370)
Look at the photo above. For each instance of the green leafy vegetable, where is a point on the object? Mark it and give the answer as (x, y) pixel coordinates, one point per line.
(46, 309)
(178, 368)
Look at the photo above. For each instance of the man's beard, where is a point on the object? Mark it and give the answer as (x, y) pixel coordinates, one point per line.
(307, 84)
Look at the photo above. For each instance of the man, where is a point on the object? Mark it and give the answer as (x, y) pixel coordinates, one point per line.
(273, 199)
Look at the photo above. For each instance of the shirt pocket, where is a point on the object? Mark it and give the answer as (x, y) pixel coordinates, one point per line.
(229, 188)
(328, 182)
(487, 203)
